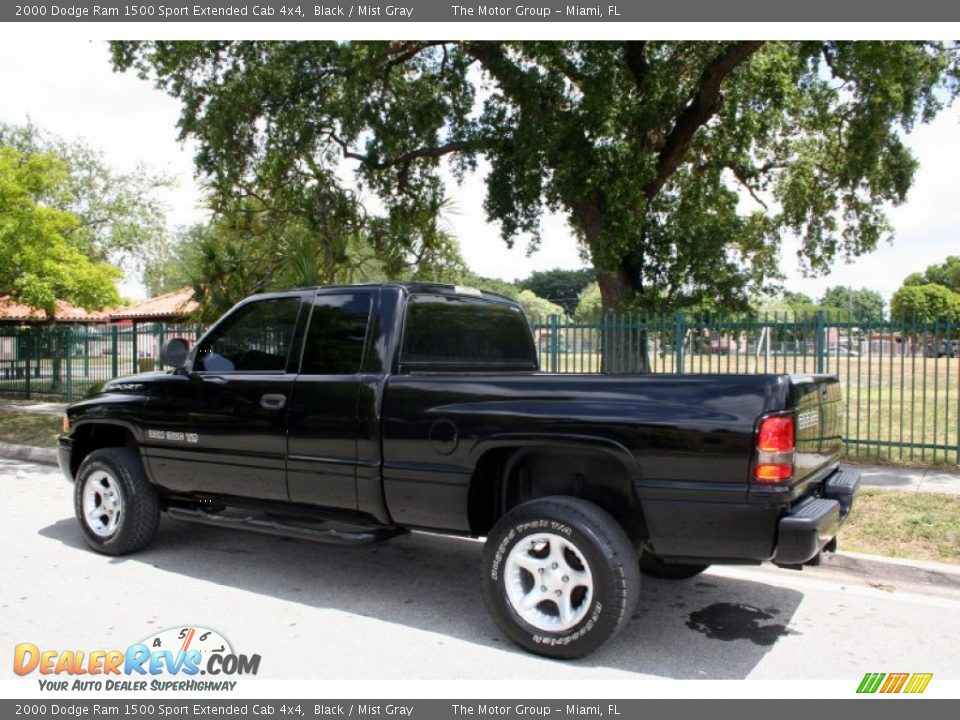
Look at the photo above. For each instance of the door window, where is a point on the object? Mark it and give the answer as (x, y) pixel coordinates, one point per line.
(255, 338)
(337, 334)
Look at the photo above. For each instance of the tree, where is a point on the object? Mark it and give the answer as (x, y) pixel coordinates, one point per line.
(39, 264)
(647, 147)
(119, 218)
(946, 274)
(841, 302)
(589, 305)
(538, 308)
(250, 248)
(928, 303)
(562, 287)
(789, 305)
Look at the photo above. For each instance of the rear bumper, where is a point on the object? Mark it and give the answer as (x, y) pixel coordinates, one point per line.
(813, 523)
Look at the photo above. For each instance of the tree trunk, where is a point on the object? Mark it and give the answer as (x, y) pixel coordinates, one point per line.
(624, 345)
(55, 346)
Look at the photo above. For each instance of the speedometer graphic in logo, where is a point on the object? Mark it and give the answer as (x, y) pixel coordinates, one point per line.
(182, 639)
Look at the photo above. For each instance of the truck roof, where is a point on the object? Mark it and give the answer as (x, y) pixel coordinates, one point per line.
(415, 287)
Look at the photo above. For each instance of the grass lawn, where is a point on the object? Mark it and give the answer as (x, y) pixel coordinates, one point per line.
(920, 526)
(26, 429)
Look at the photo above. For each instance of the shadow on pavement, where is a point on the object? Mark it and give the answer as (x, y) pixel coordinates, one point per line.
(707, 627)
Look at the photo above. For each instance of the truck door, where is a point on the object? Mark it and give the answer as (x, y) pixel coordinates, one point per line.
(221, 427)
(323, 418)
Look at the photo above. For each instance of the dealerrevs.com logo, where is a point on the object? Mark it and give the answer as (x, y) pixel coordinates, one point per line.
(173, 659)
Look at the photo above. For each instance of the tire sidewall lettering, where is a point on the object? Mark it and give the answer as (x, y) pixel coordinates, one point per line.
(530, 527)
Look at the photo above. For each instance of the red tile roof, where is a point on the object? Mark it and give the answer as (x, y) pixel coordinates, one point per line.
(172, 304)
(13, 311)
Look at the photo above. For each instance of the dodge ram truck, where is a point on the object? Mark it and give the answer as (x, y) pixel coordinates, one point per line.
(351, 414)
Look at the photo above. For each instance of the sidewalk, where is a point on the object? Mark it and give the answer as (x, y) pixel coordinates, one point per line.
(34, 408)
(907, 479)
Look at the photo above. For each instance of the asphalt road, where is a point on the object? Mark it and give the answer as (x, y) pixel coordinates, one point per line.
(411, 608)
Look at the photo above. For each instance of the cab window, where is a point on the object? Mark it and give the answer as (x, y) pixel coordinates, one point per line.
(337, 334)
(255, 338)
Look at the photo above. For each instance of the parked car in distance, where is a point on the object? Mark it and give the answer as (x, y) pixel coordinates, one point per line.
(942, 348)
(721, 347)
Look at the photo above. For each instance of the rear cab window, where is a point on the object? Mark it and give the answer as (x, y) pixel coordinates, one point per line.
(455, 333)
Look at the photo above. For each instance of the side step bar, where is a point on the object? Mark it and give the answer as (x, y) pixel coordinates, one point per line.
(272, 527)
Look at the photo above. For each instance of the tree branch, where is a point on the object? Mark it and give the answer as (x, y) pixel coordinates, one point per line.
(405, 159)
(741, 176)
(634, 54)
(702, 107)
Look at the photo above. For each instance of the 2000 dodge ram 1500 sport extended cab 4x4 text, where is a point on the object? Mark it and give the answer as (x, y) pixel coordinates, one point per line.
(350, 414)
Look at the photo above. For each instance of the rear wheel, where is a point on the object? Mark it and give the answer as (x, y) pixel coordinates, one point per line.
(655, 567)
(560, 576)
(117, 507)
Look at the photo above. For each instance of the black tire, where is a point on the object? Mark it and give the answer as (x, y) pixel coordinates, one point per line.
(610, 559)
(655, 567)
(139, 514)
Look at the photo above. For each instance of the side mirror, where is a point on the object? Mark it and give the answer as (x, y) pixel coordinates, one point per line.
(174, 352)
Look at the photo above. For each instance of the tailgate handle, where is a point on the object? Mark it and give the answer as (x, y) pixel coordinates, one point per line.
(273, 401)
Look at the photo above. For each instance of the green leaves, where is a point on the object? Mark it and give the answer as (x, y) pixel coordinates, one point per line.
(680, 165)
(40, 261)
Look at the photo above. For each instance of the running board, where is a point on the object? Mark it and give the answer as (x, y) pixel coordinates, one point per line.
(272, 527)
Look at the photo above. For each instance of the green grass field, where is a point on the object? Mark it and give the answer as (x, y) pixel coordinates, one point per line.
(920, 526)
(23, 428)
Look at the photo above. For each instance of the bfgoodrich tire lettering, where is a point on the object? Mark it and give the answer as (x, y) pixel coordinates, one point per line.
(536, 553)
(116, 505)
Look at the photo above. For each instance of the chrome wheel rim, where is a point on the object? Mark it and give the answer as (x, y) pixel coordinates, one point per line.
(548, 582)
(102, 503)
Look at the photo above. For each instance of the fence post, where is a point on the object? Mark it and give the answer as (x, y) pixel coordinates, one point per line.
(68, 345)
(86, 352)
(554, 343)
(136, 358)
(679, 332)
(114, 351)
(28, 337)
(820, 341)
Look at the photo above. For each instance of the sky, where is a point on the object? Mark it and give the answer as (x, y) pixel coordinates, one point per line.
(67, 87)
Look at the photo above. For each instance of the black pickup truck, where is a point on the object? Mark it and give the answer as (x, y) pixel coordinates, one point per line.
(351, 414)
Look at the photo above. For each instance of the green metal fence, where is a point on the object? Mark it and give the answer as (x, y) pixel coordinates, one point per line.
(901, 380)
(61, 363)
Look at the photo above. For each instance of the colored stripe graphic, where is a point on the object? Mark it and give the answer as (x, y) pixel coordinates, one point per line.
(918, 683)
(870, 682)
(894, 683)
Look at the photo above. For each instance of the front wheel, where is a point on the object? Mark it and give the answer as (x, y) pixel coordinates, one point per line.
(560, 576)
(117, 507)
(655, 567)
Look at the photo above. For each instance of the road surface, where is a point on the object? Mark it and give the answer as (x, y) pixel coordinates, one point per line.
(411, 608)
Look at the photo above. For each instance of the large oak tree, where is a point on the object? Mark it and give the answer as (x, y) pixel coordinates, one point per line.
(680, 165)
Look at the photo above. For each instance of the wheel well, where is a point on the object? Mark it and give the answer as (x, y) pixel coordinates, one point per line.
(93, 436)
(506, 477)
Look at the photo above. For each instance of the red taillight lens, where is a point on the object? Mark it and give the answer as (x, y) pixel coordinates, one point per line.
(776, 435)
(776, 441)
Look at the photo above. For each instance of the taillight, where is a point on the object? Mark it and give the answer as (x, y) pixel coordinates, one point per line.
(776, 441)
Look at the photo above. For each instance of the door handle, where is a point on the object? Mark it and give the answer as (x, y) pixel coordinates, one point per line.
(273, 401)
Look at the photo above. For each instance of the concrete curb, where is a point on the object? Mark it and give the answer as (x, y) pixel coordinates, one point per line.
(44, 456)
(898, 571)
